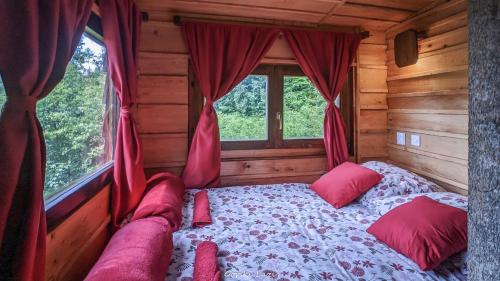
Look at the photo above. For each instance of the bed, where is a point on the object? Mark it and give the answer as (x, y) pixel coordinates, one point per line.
(287, 232)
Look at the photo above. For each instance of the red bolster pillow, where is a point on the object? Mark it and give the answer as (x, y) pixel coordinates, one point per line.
(164, 198)
(206, 267)
(424, 230)
(345, 183)
(201, 212)
(140, 251)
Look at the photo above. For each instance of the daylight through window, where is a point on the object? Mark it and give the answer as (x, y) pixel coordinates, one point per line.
(276, 106)
(77, 118)
(242, 113)
(303, 109)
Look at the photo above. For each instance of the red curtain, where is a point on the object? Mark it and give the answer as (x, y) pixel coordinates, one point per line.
(121, 23)
(325, 57)
(221, 56)
(38, 41)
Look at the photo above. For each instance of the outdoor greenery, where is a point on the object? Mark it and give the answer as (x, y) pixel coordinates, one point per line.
(303, 109)
(242, 113)
(72, 119)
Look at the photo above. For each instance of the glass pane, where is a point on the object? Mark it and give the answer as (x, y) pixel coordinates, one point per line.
(242, 113)
(72, 117)
(3, 95)
(303, 109)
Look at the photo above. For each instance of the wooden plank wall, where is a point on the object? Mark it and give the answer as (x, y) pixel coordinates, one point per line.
(430, 99)
(74, 246)
(162, 112)
(371, 101)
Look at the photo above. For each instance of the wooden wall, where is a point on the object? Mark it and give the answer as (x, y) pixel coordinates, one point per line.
(371, 99)
(74, 246)
(429, 98)
(162, 112)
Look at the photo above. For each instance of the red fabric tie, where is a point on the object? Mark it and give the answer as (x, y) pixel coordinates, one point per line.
(125, 110)
(21, 103)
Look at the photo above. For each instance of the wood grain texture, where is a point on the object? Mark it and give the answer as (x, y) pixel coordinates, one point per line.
(74, 246)
(162, 118)
(430, 98)
(370, 15)
(164, 150)
(163, 90)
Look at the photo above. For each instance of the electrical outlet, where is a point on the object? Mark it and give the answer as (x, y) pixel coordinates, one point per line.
(400, 138)
(415, 140)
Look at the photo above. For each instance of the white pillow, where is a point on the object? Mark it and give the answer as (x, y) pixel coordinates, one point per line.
(396, 181)
(383, 205)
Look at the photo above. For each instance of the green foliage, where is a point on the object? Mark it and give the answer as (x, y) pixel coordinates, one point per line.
(243, 112)
(72, 118)
(2, 94)
(303, 109)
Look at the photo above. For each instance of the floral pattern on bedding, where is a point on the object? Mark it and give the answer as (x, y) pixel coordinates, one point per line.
(383, 205)
(396, 181)
(286, 232)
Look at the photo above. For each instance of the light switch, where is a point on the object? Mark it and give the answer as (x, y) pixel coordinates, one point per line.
(415, 140)
(400, 138)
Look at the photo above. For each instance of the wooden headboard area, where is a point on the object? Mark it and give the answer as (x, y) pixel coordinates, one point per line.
(429, 99)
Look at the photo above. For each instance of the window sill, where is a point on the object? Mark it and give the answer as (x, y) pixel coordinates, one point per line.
(62, 205)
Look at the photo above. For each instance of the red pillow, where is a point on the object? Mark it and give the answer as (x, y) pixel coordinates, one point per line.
(345, 183)
(140, 251)
(164, 198)
(424, 230)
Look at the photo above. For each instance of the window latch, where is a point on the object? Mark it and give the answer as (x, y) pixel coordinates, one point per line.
(280, 121)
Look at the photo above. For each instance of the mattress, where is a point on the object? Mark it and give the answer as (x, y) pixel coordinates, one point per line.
(287, 232)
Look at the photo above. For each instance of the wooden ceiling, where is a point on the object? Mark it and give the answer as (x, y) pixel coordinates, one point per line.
(367, 14)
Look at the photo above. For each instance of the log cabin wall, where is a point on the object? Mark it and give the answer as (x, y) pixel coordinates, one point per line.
(74, 246)
(429, 99)
(371, 98)
(163, 112)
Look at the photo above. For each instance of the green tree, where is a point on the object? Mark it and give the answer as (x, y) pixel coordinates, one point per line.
(72, 118)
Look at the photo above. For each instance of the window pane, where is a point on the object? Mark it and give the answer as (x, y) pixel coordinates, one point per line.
(242, 113)
(72, 117)
(303, 109)
(3, 95)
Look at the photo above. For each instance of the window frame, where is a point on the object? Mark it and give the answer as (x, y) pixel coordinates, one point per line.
(275, 105)
(64, 203)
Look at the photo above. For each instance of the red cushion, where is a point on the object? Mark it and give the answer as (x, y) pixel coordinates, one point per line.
(424, 230)
(164, 198)
(140, 251)
(345, 183)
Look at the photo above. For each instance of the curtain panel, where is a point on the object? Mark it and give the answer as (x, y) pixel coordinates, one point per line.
(121, 22)
(221, 57)
(38, 41)
(325, 57)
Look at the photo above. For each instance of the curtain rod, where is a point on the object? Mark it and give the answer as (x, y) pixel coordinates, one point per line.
(178, 22)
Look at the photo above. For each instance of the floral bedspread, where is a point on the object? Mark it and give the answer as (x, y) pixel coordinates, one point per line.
(287, 232)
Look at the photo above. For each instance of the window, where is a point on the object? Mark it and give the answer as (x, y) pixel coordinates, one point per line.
(242, 113)
(276, 106)
(78, 118)
(3, 96)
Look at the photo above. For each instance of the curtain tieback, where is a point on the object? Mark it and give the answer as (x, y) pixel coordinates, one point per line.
(209, 103)
(125, 110)
(21, 103)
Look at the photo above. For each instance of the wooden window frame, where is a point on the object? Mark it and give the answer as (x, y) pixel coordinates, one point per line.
(276, 74)
(66, 202)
